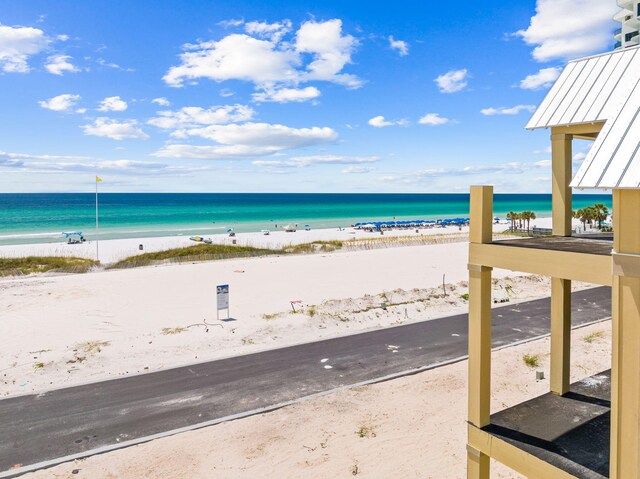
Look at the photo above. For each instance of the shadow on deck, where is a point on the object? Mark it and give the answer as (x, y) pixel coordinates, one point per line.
(571, 432)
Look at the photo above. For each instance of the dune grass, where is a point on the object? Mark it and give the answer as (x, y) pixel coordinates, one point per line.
(43, 264)
(314, 247)
(199, 252)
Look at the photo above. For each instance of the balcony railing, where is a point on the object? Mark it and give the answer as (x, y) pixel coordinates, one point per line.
(617, 32)
(629, 36)
(617, 45)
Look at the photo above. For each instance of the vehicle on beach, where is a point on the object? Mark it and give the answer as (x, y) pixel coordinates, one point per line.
(265, 232)
(307, 228)
(290, 229)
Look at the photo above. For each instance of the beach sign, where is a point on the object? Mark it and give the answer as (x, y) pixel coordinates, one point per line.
(222, 296)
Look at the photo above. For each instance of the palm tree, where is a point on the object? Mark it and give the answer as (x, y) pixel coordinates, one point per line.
(512, 215)
(531, 215)
(600, 213)
(582, 216)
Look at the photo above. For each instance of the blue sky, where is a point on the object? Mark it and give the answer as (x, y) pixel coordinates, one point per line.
(247, 96)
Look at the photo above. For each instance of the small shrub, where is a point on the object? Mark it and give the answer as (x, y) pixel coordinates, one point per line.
(465, 296)
(366, 431)
(43, 264)
(168, 331)
(531, 360)
(93, 346)
(38, 365)
(593, 337)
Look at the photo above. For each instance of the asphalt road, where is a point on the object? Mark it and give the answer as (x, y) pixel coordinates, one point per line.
(64, 422)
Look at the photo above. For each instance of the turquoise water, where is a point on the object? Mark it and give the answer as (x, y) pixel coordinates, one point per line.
(40, 218)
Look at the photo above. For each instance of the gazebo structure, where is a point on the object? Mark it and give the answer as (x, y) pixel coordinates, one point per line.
(589, 429)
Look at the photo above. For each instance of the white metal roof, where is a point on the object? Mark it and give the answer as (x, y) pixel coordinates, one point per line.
(614, 158)
(603, 88)
(589, 90)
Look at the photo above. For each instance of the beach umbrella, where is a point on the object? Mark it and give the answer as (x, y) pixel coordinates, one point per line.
(230, 230)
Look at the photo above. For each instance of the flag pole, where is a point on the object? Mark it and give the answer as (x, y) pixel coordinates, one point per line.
(97, 225)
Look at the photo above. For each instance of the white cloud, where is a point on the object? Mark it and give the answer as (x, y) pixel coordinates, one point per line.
(500, 169)
(543, 79)
(162, 101)
(514, 110)
(63, 102)
(113, 103)
(566, 29)
(193, 116)
(433, 119)
(318, 51)
(104, 63)
(331, 51)
(235, 57)
(578, 158)
(226, 93)
(246, 140)
(304, 161)
(231, 23)
(80, 164)
(401, 46)
(453, 81)
(17, 44)
(272, 31)
(115, 129)
(380, 122)
(59, 64)
(287, 95)
(358, 169)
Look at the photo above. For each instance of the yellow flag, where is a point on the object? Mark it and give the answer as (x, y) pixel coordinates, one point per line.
(98, 179)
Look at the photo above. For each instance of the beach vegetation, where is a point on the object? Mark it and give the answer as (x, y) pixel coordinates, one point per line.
(43, 264)
(593, 215)
(93, 346)
(531, 360)
(269, 317)
(170, 331)
(465, 296)
(200, 252)
(590, 338)
(314, 247)
(366, 431)
(38, 365)
(311, 311)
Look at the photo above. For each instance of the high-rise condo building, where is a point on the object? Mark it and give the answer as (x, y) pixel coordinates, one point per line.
(627, 35)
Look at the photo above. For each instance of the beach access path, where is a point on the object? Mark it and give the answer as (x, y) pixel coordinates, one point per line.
(51, 427)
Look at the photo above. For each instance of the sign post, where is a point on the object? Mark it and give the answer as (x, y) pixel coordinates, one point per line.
(222, 296)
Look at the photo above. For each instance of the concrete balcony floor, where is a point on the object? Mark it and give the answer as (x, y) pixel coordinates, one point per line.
(570, 432)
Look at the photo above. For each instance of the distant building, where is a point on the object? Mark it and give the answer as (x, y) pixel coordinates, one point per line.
(627, 35)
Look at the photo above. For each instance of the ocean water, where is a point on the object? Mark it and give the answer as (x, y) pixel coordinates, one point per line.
(40, 218)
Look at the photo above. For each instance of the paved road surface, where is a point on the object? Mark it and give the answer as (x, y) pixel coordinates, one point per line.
(39, 428)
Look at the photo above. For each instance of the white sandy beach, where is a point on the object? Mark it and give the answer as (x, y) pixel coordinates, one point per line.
(61, 330)
(412, 427)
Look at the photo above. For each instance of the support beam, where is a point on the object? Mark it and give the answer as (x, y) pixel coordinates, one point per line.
(560, 335)
(562, 172)
(478, 465)
(480, 231)
(625, 360)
